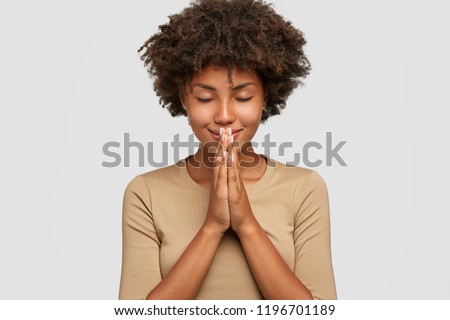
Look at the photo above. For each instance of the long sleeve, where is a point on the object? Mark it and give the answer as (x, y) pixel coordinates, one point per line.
(140, 243)
(313, 265)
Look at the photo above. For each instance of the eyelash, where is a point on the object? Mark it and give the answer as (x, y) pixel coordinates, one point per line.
(243, 99)
(238, 99)
(204, 100)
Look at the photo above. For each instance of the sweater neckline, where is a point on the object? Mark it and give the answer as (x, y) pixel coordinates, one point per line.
(260, 184)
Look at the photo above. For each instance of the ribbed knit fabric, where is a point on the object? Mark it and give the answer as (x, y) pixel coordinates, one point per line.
(164, 209)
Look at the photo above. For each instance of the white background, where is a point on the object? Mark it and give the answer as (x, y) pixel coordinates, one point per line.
(71, 80)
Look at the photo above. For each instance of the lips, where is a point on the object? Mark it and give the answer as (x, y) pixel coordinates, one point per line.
(216, 134)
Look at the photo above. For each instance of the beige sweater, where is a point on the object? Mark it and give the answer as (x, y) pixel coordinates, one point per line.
(164, 209)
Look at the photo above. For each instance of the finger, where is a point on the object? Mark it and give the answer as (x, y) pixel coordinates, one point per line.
(222, 174)
(231, 170)
(218, 159)
(224, 139)
(218, 162)
(234, 183)
(229, 147)
(236, 167)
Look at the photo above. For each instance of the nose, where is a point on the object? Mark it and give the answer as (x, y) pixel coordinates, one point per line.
(225, 113)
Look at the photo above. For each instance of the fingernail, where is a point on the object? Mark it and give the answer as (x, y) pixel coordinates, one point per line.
(221, 131)
(229, 131)
(223, 138)
(231, 139)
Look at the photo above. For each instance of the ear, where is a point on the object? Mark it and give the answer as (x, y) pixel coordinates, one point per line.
(181, 96)
(266, 98)
(182, 101)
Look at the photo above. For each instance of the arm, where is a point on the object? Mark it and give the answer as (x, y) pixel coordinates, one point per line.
(313, 263)
(311, 241)
(140, 270)
(141, 275)
(140, 243)
(273, 276)
(186, 277)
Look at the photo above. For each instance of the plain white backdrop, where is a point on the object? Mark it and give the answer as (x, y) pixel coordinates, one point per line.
(71, 81)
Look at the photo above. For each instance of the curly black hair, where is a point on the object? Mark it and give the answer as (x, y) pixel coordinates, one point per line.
(247, 34)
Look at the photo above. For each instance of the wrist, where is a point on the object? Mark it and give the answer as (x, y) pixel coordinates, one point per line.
(213, 229)
(247, 229)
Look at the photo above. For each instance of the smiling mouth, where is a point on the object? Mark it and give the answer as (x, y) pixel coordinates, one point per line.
(216, 134)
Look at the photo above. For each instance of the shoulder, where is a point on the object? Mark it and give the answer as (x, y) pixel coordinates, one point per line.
(160, 181)
(139, 191)
(161, 175)
(149, 178)
(298, 177)
(308, 191)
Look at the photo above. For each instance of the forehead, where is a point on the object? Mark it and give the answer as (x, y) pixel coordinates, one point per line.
(220, 76)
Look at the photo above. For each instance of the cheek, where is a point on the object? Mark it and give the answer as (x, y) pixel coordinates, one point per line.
(250, 116)
(200, 117)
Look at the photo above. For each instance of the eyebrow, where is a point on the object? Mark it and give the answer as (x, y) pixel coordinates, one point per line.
(207, 87)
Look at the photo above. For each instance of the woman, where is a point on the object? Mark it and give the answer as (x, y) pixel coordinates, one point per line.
(226, 223)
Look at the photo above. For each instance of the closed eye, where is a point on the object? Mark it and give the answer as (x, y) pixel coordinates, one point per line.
(244, 99)
(204, 100)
